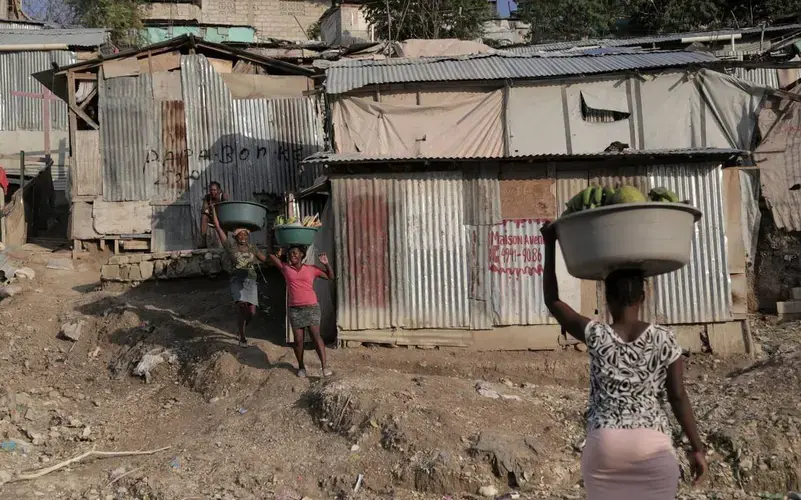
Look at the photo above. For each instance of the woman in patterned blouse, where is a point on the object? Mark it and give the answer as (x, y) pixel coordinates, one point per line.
(634, 367)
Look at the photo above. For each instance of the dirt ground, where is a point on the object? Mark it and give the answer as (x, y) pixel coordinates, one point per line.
(402, 423)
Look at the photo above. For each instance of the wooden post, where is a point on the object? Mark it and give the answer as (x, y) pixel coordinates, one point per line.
(2, 217)
(22, 170)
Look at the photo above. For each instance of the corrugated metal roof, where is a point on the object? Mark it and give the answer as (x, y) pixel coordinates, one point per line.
(86, 37)
(645, 40)
(350, 75)
(21, 25)
(338, 158)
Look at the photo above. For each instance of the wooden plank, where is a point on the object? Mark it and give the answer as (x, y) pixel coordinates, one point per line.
(122, 217)
(85, 76)
(732, 219)
(78, 111)
(135, 244)
(87, 176)
(89, 98)
(72, 116)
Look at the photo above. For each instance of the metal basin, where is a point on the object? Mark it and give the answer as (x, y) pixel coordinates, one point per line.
(653, 237)
(241, 214)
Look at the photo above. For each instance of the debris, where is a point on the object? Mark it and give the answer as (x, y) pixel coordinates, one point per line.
(10, 291)
(175, 463)
(507, 382)
(511, 397)
(488, 491)
(354, 448)
(512, 495)
(35, 437)
(8, 446)
(4, 477)
(151, 360)
(242, 411)
(485, 390)
(60, 264)
(25, 273)
(72, 330)
(358, 485)
(99, 454)
(94, 353)
(510, 455)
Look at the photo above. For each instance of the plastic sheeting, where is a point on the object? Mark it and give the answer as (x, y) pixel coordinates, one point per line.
(672, 110)
(462, 126)
(779, 160)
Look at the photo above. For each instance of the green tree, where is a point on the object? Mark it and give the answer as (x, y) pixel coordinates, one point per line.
(427, 19)
(553, 20)
(123, 18)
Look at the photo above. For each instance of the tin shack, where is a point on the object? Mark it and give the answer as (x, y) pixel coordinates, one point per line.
(448, 252)
(152, 128)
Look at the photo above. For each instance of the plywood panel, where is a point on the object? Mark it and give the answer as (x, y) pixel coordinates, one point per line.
(87, 179)
(732, 217)
(122, 217)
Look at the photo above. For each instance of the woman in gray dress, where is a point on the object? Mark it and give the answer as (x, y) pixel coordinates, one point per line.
(243, 257)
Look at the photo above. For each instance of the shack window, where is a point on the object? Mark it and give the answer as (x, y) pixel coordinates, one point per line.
(604, 106)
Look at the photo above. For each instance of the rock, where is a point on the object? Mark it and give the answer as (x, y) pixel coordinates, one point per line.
(354, 448)
(61, 264)
(511, 397)
(790, 496)
(110, 272)
(146, 270)
(510, 455)
(746, 464)
(488, 491)
(485, 390)
(25, 273)
(10, 291)
(5, 477)
(35, 437)
(507, 382)
(72, 330)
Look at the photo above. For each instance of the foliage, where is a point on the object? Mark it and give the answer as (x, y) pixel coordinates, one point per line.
(577, 19)
(427, 19)
(123, 18)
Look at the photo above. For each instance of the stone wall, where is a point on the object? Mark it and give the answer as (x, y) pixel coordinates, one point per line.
(282, 19)
(135, 268)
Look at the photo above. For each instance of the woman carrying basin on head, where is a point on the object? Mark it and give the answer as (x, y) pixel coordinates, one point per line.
(634, 366)
(304, 309)
(243, 257)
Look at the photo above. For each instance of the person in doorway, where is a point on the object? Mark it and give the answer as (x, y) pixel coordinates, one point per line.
(304, 309)
(208, 239)
(633, 366)
(243, 258)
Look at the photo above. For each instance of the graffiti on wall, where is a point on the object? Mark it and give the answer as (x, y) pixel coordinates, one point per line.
(516, 247)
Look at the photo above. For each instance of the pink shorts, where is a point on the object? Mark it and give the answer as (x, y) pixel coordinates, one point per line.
(619, 464)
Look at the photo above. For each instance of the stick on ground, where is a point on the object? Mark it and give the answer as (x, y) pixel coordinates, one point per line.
(101, 454)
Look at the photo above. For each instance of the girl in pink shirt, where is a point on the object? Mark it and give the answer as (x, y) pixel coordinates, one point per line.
(304, 311)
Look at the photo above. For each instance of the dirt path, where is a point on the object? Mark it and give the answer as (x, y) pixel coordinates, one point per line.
(413, 423)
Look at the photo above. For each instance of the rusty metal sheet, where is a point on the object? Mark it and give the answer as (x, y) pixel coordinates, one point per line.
(173, 178)
(402, 251)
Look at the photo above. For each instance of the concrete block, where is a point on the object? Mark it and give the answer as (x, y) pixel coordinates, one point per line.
(146, 270)
(689, 337)
(134, 274)
(124, 272)
(792, 307)
(110, 272)
(727, 338)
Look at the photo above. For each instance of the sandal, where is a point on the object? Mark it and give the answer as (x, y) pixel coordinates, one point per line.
(301, 373)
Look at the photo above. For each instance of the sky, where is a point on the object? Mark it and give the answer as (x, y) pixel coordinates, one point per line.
(505, 6)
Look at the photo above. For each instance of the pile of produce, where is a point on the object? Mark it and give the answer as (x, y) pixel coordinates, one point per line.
(602, 196)
(308, 221)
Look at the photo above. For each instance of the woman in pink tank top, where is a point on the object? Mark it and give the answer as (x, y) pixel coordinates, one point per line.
(304, 310)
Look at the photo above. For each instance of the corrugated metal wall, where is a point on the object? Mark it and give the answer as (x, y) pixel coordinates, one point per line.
(402, 251)
(701, 291)
(400, 243)
(130, 132)
(25, 113)
(249, 146)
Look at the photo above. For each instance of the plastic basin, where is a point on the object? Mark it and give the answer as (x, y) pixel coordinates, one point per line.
(241, 214)
(295, 235)
(653, 237)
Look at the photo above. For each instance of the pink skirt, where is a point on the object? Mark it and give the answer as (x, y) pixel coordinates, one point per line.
(636, 464)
